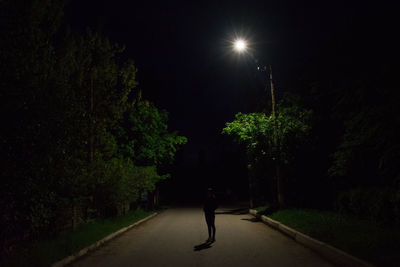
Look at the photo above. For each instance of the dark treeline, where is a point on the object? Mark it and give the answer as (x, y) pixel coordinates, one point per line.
(75, 130)
(338, 127)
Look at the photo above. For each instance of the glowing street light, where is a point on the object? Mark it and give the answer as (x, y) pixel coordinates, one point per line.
(240, 45)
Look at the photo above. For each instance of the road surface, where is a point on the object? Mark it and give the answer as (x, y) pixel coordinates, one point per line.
(169, 239)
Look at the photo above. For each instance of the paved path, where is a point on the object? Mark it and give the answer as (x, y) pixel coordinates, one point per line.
(169, 239)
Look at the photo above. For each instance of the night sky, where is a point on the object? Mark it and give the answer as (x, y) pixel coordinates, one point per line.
(183, 51)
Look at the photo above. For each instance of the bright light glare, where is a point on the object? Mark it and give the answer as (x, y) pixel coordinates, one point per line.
(240, 45)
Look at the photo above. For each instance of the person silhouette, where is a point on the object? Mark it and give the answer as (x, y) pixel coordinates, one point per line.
(210, 205)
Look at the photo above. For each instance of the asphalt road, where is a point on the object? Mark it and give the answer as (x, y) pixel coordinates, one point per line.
(169, 239)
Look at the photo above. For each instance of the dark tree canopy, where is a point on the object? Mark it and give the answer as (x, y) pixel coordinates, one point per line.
(66, 141)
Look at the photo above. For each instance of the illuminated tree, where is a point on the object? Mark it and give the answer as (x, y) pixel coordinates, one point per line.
(256, 131)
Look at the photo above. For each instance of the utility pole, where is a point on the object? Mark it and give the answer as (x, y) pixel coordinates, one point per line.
(91, 122)
(276, 150)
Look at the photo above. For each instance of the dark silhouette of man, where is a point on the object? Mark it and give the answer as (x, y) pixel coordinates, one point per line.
(210, 205)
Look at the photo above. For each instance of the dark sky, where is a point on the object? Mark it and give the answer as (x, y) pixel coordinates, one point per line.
(182, 50)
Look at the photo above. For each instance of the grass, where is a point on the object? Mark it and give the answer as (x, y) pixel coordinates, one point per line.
(261, 208)
(364, 239)
(46, 252)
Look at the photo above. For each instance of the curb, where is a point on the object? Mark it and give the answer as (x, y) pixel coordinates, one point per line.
(84, 251)
(333, 254)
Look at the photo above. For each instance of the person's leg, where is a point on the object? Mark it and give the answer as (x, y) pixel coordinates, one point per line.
(208, 226)
(213, 228)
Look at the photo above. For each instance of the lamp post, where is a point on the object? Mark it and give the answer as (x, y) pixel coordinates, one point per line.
(279, 190)
(240, 46)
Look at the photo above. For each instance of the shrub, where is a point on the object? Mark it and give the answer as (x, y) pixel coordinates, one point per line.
(377, 204)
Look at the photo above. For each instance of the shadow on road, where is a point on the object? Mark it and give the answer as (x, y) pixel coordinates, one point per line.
(251, 220)
(202, 246)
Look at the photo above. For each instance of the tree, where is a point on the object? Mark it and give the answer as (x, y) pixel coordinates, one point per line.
(256, 131)
(367, 154)
(100, 88)
(32, 108)
(62, 95)
(145, 139)
(65, 102)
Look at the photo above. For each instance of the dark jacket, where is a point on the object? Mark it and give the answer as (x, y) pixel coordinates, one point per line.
(210, 205)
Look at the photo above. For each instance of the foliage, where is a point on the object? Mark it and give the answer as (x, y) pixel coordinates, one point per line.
(32, 108)
(145, 137)
(256, 130)
(64, 98)
(126, 182)
(369, 147)
(376, 204)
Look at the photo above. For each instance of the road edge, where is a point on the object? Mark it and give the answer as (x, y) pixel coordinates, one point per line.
(84, 251)
(329, 252)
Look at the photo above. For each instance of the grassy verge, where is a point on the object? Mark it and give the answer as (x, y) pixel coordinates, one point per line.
(363, 239)
(261, 208)
(46, 252)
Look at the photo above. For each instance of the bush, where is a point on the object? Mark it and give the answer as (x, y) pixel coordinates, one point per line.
(378, 204)
(395, 199)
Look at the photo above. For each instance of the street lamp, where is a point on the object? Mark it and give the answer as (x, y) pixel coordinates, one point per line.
(240, 46)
